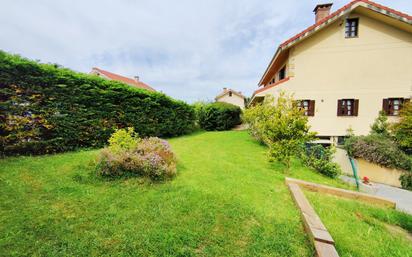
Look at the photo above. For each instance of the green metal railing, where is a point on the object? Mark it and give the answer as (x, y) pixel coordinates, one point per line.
(355, 171)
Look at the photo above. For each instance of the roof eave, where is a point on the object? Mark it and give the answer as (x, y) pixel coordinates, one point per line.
(270, 65)
(227, 92)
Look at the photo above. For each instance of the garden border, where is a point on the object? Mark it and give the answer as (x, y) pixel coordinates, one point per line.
(319, 235)
(342, 192)
(322, 240)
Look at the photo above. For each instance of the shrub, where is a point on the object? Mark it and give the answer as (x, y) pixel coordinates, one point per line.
(123, 140)
(129, 155)
(378, 149)
(256, 116)
(199, 108)
(47, 109)
(320, 158)
(403, 129)
(281, 125)
(219, 116)
(382, 151)
(406, 180)
(381, 125)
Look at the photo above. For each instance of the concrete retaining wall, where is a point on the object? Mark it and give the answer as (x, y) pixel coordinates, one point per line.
(378, 174)
(374, 172)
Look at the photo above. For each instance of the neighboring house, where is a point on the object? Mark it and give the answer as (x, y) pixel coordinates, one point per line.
(130, 81)
(231, 96)
(346, 68)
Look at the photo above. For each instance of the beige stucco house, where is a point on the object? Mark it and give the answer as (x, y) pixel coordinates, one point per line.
(346, 68)
(231, 96)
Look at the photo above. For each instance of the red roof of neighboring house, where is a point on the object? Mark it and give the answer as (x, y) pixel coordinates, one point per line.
(126, 80)
(371, 5)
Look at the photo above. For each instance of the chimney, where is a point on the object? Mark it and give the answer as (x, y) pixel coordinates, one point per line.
(321, 11)
(136, 78)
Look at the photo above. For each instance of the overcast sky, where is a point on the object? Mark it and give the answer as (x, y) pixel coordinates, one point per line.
(189, 49)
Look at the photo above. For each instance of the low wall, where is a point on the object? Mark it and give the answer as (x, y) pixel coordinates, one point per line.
(374, 172)
(342, 159)
(378, 174)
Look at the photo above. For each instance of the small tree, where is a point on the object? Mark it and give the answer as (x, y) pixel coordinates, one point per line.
(281, 125)
(381, 125)
(403, 129)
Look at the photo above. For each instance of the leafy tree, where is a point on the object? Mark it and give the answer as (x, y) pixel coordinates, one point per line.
(281, 125)
(256, 116)
(381, 125)
(403, 129)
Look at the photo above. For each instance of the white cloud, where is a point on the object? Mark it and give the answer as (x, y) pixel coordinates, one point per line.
(188, 49)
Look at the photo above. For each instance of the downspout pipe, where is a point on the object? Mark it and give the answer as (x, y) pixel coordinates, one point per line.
(355, 171)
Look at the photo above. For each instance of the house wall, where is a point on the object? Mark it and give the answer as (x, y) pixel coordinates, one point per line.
(327, 66)
(234, 99)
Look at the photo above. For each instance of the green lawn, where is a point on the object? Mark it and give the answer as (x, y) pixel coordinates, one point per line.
(359, 229)
(226, 200)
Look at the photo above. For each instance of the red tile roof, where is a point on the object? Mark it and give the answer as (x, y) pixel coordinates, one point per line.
(319, 23)
(339, 11)
(123, 79)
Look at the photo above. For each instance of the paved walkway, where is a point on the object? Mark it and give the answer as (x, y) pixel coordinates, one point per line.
(403, 198)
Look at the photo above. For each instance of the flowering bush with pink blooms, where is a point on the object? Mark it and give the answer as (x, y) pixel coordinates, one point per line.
(149, 157)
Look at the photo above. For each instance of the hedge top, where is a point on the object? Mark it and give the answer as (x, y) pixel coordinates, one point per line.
(47, 108)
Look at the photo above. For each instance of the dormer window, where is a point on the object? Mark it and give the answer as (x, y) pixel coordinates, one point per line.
(351, 28)
(282, 73)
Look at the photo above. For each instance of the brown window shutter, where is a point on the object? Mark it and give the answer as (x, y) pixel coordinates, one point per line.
(339, 107)
(385, 106)
(311, 111)
(355, 107)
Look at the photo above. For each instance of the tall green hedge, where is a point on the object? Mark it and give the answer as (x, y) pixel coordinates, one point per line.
(46, 109)
(218, 116)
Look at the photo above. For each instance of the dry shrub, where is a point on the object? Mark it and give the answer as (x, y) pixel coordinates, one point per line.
(149, 157)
